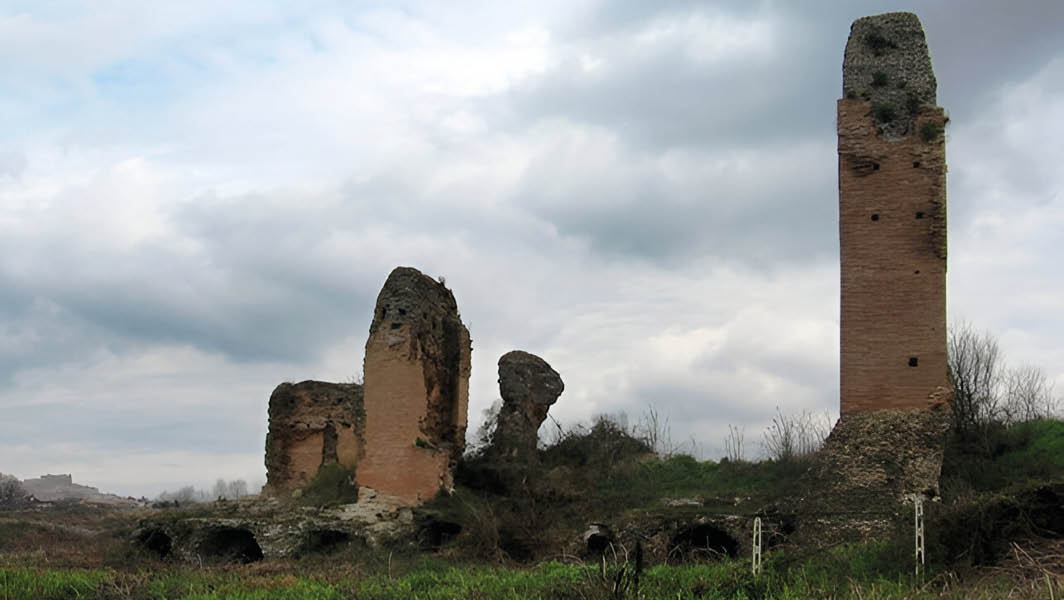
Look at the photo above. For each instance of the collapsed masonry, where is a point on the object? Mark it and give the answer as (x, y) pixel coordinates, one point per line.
(529, 387)
(402, 432)
(312, 423)
(890, 438)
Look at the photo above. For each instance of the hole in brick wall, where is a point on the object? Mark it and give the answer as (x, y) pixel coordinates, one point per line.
(402, 311)
(875, 217)
(875, 166)
(920, 215)
(916, 164)
(396, 325)
(913, 361)
(916, 272)
(384, 312)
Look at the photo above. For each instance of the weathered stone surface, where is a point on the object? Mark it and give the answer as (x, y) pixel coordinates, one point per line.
(892, 223)
(887, 64)
(312, 423)
(417, 367)
(876, 460)
(250, 530)
(529, 387)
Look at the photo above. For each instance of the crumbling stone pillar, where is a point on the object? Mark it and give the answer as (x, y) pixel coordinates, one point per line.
(312, 424)
(529, 387)
(417, 367)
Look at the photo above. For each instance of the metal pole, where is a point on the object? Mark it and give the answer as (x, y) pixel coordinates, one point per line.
(757, 546)
(918, 507)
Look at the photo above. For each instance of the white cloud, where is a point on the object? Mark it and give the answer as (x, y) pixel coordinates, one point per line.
(200, 203)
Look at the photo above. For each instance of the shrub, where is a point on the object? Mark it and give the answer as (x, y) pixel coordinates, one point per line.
(878, 43)
(930, 131)
(332, 485)
(879, 79)
(884, 113)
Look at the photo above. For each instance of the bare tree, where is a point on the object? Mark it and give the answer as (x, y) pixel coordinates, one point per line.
(237, 488)
(795, 437)
(11, 491)
(1028, 395)
(230, 490)
(976, 373)
(734, 448)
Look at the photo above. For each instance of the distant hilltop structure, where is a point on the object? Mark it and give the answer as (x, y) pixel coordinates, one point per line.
(55, 488)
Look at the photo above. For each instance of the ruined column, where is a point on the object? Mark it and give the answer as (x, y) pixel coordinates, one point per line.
(417, 367)
(892, 218)
(529, 387)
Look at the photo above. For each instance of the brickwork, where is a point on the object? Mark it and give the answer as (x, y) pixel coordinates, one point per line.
(402, 433)
(892, 224)
(417, 369)
(312, 423)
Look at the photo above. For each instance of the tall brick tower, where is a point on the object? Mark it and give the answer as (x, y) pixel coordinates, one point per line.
(892, 219)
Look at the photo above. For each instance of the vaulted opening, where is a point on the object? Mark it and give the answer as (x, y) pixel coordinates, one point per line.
(229, 544)
(156, 541)
(324, 541)
(704, 541)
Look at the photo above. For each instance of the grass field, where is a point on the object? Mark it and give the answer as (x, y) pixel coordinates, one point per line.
(846, 572)
(998, 535)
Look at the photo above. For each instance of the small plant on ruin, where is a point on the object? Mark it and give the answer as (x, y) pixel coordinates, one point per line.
(878, 43)
(930, 131)
(879, 79)
(332, 485)
(884, 113)
(912, 103)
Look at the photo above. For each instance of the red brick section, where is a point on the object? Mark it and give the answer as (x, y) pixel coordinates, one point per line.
(892, 229)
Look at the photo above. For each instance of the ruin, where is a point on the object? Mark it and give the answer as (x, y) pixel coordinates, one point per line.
(417, 367)
(402, 432)
(892, 218)
(529, 387)
(894, 396)
(312, 424)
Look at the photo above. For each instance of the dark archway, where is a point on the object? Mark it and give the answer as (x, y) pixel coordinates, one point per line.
(156, 541)
(324, 541)
(229, 544)
(704, 541)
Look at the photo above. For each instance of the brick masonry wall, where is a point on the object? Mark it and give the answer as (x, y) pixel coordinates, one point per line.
(417, 368)
(892, 229)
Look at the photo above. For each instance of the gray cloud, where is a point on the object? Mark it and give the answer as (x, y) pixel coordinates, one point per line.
(611, 186)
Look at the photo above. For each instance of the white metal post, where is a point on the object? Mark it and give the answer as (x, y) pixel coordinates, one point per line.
(757, 546)
(918, 507)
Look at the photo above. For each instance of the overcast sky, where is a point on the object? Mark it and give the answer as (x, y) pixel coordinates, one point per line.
(200, 200)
